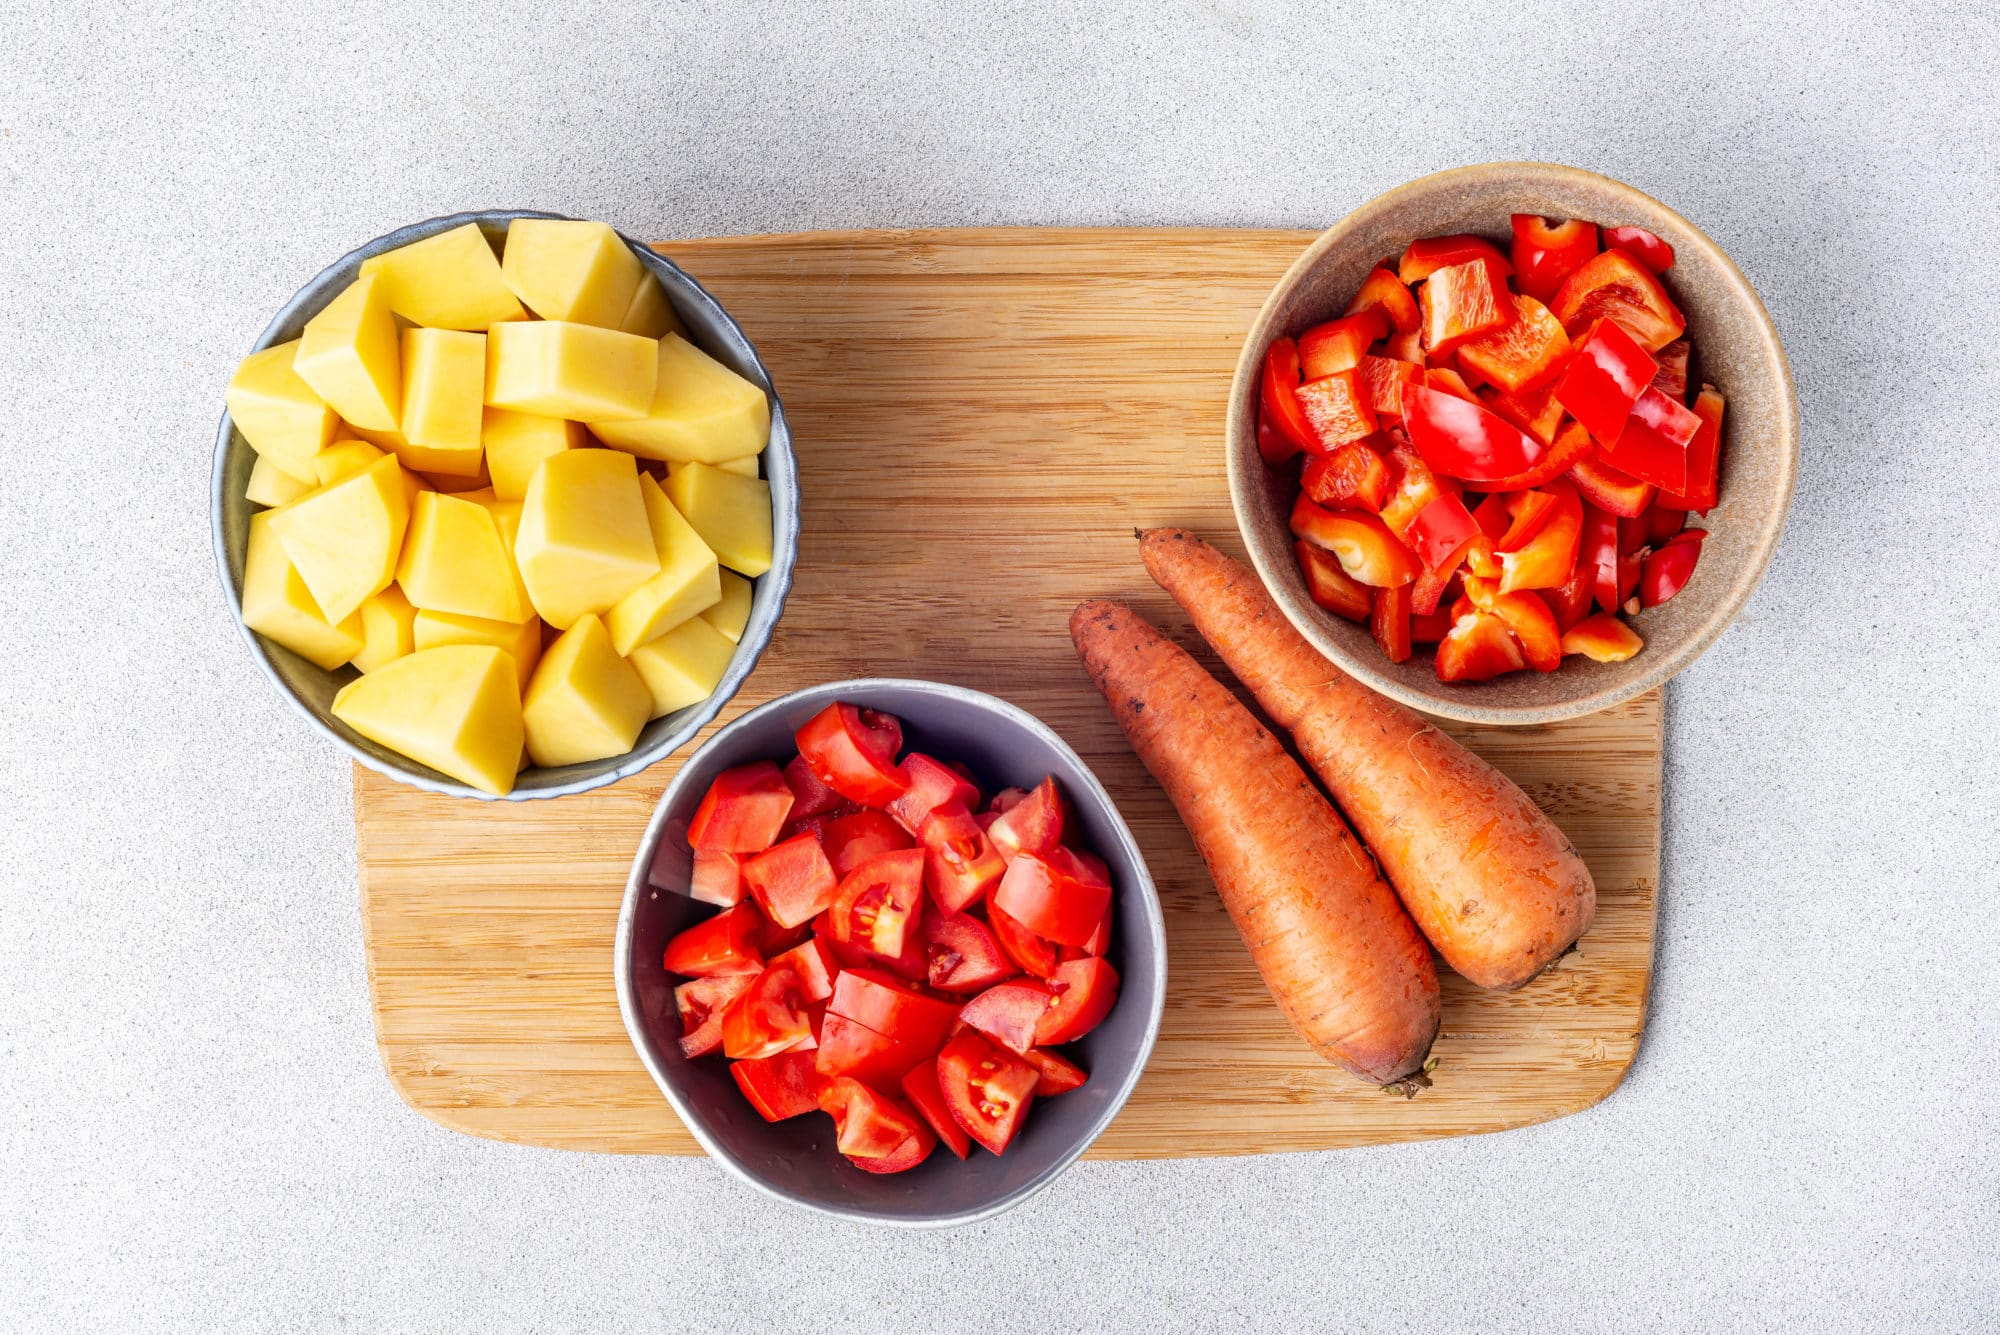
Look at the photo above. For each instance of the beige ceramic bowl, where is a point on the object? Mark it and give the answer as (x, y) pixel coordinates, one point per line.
(1736, 349)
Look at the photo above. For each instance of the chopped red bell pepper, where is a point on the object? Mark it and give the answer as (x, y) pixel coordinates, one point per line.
(1598, 553)
(1429, 627)
(1610, 490)
(1413, 485)
(1336, 410)
(1425, 257)
(1528, 513)
(1352, 477)
(1429, 589)
(1527, 616)
(1448, 381)
(1383, 291)
(1535, 411)
(1570, 601)
(1461, 302)
(1384, 378)
(1273, 444)
(1365, 547)
(1462, 438)
(1389, 622)
(1653, 447)
(1672, 377)
(1547, 559)
(1704, 452)
(1571, 444)
(1405, 347)
(1631, 559)
(1667, 570)
(1478, 647)
(1614, 286)
(1546, 253)
(1663, 522)
(1492, 517)
(1642, 246)
(1466, 374)
(1338, 345)
(1603, 637)
(1328, 585)
(1608, 374)
(1440, 529)
(1526, 352)
(1279, 393)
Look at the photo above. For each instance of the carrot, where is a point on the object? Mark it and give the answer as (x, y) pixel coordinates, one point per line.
(1488, 877)
(1343, 960)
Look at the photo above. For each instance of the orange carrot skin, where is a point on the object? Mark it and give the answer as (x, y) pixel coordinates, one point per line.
(1492, 882)
(1343, 960)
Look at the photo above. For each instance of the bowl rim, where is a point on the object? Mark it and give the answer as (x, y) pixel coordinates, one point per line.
(638, 884)
(1239, 449)
(756, 638)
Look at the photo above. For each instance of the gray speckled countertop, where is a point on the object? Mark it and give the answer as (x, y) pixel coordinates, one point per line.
(195, 1132)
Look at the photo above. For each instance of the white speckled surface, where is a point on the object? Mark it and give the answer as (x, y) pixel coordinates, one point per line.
(194, 1129)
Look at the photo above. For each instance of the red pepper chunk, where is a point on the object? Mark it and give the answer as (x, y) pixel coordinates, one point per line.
(1389, 622)
(1425, 257)
(1338, 345)
(1440, 529)
(1546, 253)
(1703, 454)
(1526, 616)
(1522, 353)
(1642, 246)
(1672, 378)
(1463, 439)
(1667, 570)
(1462, 301)
(1353, 476)
(1328, 585)
(1273, 444)
(1367, 550)
(1547, 559)
(1614, 286)
(1653, 447)
(1602, 638)
(1279, 394)
(1604, 379)
(1478, 647)
(1383, 378)
(1610, 490)
(1385, 292)
(1336, 410)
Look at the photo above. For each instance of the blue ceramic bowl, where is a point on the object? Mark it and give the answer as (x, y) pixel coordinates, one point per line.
(795, 1160)
(310, 689)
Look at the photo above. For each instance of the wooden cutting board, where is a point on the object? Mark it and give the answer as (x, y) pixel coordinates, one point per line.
(983, 417)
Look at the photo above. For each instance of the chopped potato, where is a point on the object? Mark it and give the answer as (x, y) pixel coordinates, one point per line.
(585, 702)
(700, 411)
(732, 514)
(280, 416)
(731, 613)
(456, 708)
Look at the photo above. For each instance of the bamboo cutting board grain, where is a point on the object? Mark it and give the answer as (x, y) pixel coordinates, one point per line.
(982, 419)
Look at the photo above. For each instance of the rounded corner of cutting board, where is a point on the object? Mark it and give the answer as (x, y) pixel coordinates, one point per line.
(488, 926)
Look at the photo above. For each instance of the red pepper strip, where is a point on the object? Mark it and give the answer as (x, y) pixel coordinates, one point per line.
(1604, 638)
(1384, 378)
(1549, 558)
(1478, 647)
(1614, 286)
(1571, 600)
(1653, 447)
(1606, 377)
(1703, 454)
(1273, 444)
(1389, 622)
(1460, 438)
(1328, 585)
(1663, 523)
(1280, 393)
(1352, 477)
(1429, 588)
(1428, 627)
(1534, 626)
(1642, 246)
(1383, 291)
(1672, 378)
(1415, 485)
(1338, 345)
(1336, 410)
(1608, 489)
(1448, 381)
(1440, 528)
(1367, 550)
(1524, 353)
(1667, 570)
(1598, 552)
(1424, 258)
(1535, 411)
(1461, 302)
(1573, 444)
(1545, 254)
(1491, 516)
(1530, 512)
(1631, 557)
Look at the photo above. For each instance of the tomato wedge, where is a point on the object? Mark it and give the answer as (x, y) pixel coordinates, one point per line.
(904, 1157)
(964, 955)
(879, 905)
(988, 1090)
(920, 1087)
(961, 865)
(767, 1017)
(932, 784)
(792, 882)
(1060, 895)
(743, 810)
(892, 1008)
(1084, 992)
(866, 1124)
(701, 1003)
(847, 1047)
(853, 751)
(1011, 1012)
(810, 797)
(1057, 1075)
(1031, 952)
(859, 836)
(723, 944)
(1031, 824)
(779, 1087)
(816, 965)
(717, 877)
(1328, 585)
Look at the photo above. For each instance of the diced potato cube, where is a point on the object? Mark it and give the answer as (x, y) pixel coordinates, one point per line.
(684, 666)
(350, 356)
(651, 315)
(731, 613)
(687, 583)
(700, 411)
(388, 629)
(732, 514)
(456, 708)
(447, 281)
(444, 391)
(280, 416)
(278, 606)
(585, 702)
(563, 270)
(344, 458)
(559, 369)
(584, 540)
(521, 640)
(747, 466)
(271, 485)
(456, 559)
(459, 486)
(516, 442)
(344, 539)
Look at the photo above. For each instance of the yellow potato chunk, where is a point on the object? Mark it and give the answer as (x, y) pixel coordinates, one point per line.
(447, 281)
(278, 606)
(585, 702)
(388, 629)
(731, 613)
(271, 485)
(456, 559)
(700, 412)
(584, 540)
(555, 368)
(444, 390)
(344, 458)
(744, 467)
(344, 539)
(563, 270)
(459, 486)
(350, 356)
(732, 514)
(684, 666)
(651, 315)
(516, 442)
(522, 641)
(456, 708)
(687, 583)
(280, 416)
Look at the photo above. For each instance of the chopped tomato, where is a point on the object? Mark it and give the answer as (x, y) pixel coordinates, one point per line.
(701, 1003)
(1667, 570)
(1057, 1075)
(1084, 992)
(1338, 345)
(901, 1159)
(848, 1047)
(810, 797)
(743, 810)
(1278, 392)
(779, 1087)
(963, 953)
(853, 751)
(1672, 377)
(773, 940)
(1353, 476)
(769, 1016)
(987, 1089)
(1328, 585)
(1031, 952)
(1460, 438)
(1032, 824)
(1478, 647)
(932, 784)
(815, 964)
(879, 906)
(1546, 253)
(1389, 622)
(1642, 246)
(892, 1007)
(725, 943)
(1613, 286)
(1059, 895)
(1006, 800)
(792, 882)
(920, 1087)
(1461, 302)
(1424, 258)
(1384, 291)
(1336, 410)
(1610, 490)
(1382, 379)
(856, 838)
(867, 1124)
(1653, 447)
(1521, 354)
(1011, 1012)
(717, 877)
(1703, 453)
(1605, 378)
(1603, 638)
(1363, 544)
(961, 865)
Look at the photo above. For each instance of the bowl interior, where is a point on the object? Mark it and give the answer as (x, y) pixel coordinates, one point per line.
(795, 1159)
(1736, 349)
(311, 689)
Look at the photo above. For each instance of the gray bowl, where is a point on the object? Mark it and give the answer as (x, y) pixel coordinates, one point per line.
(310, 689)
(795, 1160)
